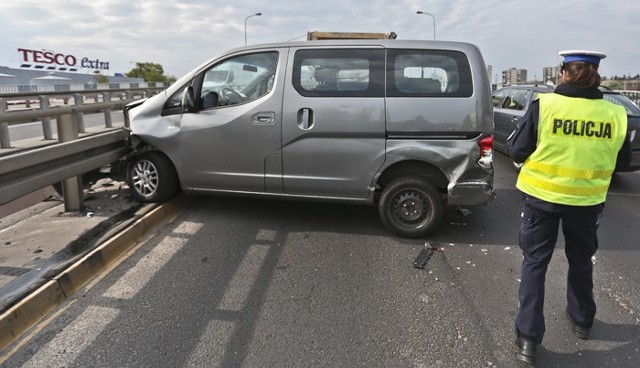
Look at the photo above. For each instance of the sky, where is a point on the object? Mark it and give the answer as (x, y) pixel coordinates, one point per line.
(182, 34)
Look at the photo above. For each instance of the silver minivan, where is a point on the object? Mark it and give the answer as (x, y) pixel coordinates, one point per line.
(404, 125)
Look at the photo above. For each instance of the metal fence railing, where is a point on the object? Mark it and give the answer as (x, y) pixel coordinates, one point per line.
(40, 88)
(71, 153)
(632, 95)
(20, 108)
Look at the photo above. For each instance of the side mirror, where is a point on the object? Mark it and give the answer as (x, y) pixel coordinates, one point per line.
(188, 103)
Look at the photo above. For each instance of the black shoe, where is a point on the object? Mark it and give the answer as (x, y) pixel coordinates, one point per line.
(581, 332)
(526, 350)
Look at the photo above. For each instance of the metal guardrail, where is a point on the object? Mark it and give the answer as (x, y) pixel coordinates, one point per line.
(18, 108)
(25, 171)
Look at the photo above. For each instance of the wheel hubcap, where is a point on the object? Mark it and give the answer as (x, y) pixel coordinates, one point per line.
(145, 178)
(410, 207)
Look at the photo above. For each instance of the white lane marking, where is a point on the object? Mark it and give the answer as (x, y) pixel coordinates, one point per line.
(212, 345)
(244, 278)
(139, 275)
(187, 228)
(73, 339)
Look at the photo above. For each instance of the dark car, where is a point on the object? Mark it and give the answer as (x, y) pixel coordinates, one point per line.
(511, 103)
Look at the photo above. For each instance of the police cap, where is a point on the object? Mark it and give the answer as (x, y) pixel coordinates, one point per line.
(592, 57)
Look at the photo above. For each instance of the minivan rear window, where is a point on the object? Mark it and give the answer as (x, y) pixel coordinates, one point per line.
(339, 73)
(428, 73)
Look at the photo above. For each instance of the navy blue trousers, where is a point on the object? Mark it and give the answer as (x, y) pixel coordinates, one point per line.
(540, 222)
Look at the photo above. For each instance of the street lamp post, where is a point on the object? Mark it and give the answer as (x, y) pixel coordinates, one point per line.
(434, 21)
(245, 25)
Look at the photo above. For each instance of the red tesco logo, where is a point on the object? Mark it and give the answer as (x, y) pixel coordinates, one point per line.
(47, 57)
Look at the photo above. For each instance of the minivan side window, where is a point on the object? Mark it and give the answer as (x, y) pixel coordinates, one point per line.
(239, 79)
(339, 72)
(428, 73)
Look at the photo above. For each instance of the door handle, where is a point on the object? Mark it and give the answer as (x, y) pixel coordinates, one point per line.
(263, 118)
(305, 118)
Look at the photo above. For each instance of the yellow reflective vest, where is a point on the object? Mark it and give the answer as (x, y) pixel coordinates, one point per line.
(576, 152)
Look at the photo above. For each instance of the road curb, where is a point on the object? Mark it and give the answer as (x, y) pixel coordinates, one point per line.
(17, 319)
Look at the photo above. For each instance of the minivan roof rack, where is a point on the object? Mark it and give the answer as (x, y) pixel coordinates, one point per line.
(316, 35)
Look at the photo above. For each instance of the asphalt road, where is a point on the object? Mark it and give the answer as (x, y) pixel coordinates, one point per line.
(254, 283)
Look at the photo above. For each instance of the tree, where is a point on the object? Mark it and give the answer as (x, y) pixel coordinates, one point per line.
(612, 83)
(150, 72)
(101, 79)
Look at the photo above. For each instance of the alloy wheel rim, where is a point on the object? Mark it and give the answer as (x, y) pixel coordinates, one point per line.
(145, 178)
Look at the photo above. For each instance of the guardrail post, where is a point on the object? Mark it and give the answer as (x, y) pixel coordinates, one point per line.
(46, 122)
(71, 187)
(5, 139)
(79, 116)
(106, 96)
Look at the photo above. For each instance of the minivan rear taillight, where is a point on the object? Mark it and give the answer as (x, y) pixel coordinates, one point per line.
(486, 152)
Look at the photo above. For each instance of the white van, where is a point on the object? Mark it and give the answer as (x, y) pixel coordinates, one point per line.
(404, 125)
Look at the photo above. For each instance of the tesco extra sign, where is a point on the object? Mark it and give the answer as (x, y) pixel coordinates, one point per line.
(45, 59)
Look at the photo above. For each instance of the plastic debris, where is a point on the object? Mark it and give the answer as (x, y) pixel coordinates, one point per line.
(465, 212)
(423, 257)
(425, 254)
(507, 248)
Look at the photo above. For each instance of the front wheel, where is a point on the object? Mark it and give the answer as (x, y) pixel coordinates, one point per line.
(152, 177)
(410, 207)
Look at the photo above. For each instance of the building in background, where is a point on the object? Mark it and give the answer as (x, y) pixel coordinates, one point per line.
(551, 74)
(490, 73)
(16, 76)
(514, 76)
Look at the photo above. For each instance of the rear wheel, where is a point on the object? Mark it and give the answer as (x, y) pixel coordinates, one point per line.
(410, 207)
(152, 177)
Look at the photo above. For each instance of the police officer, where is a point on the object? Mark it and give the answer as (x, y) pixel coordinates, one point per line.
(570, 142)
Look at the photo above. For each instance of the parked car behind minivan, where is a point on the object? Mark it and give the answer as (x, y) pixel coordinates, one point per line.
(405, 125)
(511, 103)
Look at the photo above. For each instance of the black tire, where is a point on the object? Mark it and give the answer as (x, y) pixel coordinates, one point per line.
(410, 207)
(152, 177)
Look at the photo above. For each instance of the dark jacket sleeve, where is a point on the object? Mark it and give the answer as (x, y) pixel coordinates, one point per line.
(624, 155)
(522, 142)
